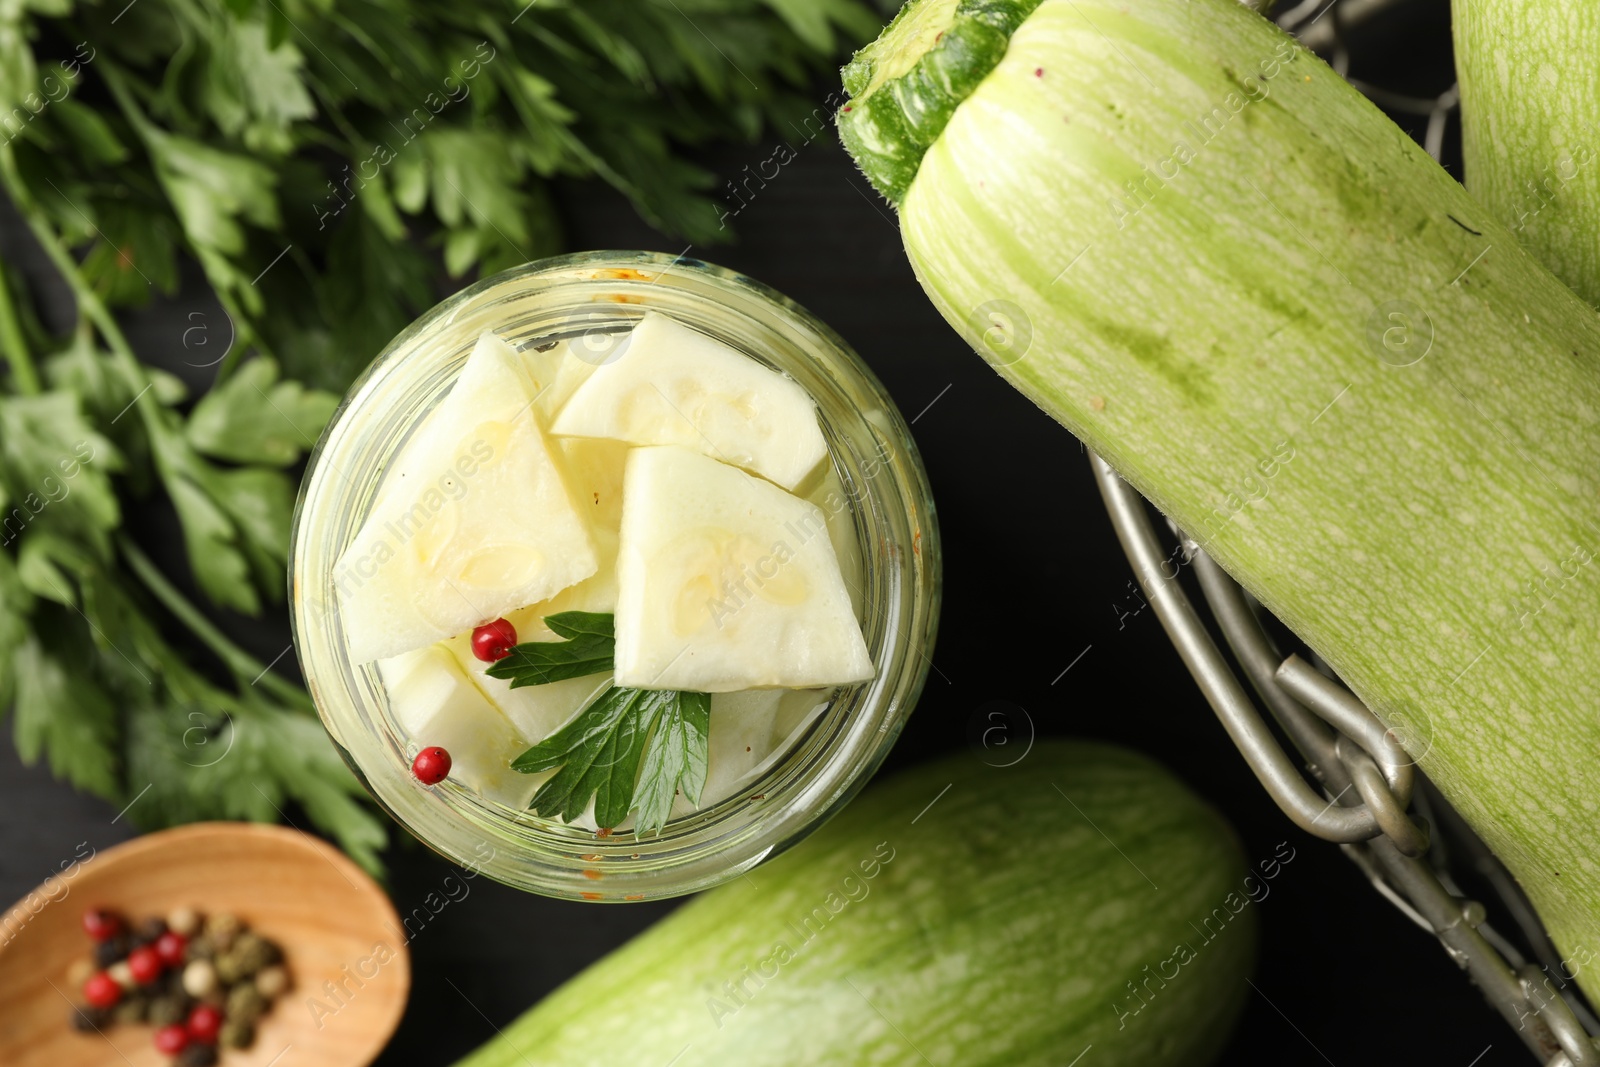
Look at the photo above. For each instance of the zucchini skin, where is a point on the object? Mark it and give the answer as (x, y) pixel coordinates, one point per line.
(995, 927)
(1530, 126)
(887, 127)
(1189, 241)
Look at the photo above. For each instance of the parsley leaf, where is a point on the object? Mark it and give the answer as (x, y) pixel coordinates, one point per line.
(60, 711)
(252, 417)
(213, 191)
(16, 609)
(589, 649)
(223, 573)
(256, 91)
(630, 749)
(56, 470)
(600, 754)
(813, 20)
(675, 759)
(221, 756)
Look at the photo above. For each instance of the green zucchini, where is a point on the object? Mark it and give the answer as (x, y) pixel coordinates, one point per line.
(1529, 72)
(957, 914)
(1192, 243)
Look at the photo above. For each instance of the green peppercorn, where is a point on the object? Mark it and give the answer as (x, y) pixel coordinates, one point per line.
(230, 967)
(245, 1004)
(131, 1010)
(168, 1009)
(236, 1033)
(222, 928)
(255, 952)
(200, 947)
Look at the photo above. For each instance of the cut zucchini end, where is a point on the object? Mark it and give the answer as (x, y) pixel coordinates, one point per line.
(905, 85)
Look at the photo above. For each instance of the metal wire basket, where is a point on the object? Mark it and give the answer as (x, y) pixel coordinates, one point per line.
(1363, 785)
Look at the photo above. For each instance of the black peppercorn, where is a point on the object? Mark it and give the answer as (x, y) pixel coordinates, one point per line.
(272, 953)
(197, 1055)
(111, 950)
(149, 930)
(87, 1020)
(171, 984)
(159, 971)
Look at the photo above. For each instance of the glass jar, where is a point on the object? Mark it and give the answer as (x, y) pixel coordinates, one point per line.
(590, 300)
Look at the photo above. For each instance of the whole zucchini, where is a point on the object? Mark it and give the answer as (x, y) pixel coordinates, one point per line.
(1192, 243)
(1530, 126)
(957, 914)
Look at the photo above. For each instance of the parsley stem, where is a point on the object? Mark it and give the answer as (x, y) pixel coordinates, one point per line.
(245, 335)
(89, 302)
(245, 667)
(13, 346)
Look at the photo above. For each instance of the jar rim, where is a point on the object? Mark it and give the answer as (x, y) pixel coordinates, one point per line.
(891, 509)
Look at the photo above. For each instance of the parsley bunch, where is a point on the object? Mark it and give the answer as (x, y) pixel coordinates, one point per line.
(368, 142)
(323, 162)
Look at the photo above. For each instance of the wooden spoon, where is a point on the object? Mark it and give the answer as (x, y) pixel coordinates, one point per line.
(343, 946)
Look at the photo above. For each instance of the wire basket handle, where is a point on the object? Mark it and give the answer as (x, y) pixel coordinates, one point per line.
(1361, 781)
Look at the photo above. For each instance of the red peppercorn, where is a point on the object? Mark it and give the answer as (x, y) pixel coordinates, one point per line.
(205, 1023)
(171, 947)
(172, 1039)
(431, 766)
(101, 990)
(145, 963)
(101, 925)
(494, 640)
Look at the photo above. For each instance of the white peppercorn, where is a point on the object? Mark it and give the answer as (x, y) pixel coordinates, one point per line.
(272, 981)
(199, 978)
(183, 920)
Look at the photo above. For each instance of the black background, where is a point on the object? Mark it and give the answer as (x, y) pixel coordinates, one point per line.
(1343, 978)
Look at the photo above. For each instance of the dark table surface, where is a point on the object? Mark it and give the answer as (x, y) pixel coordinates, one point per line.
(1343, 978)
